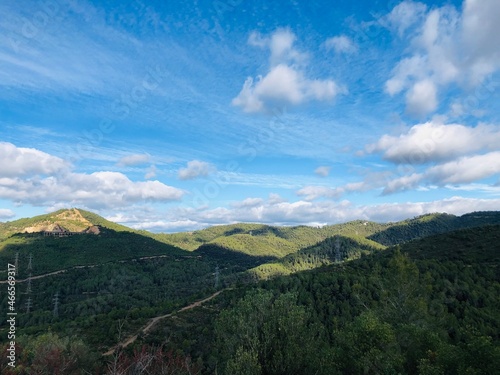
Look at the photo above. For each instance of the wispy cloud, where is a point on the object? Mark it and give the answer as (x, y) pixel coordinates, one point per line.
(323, 171)
(341, 44)
(134, 159)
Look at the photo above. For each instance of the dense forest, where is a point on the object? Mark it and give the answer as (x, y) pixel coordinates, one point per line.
(414, 297)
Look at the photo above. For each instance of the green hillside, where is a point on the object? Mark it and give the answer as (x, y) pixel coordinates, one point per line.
(431, 224)
(332, 300)
(53, 253)
(428, 307)
(265, 240)
(333, 249)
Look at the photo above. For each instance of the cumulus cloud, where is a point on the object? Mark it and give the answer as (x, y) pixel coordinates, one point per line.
(466, 169)
(436, 142)
(448, 46)
(135, 159)
(95, 190)
(20, 161)
(323, 212)
(402, 183)
(421, 98)
(322, 171)
(196, 168)
(479, 24)
(341, 44)
(5, 213)
(286, 82)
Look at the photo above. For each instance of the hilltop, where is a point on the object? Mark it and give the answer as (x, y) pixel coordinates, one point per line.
(72, 220)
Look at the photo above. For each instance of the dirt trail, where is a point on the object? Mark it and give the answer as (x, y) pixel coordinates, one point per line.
(86, 266)
(154, 320)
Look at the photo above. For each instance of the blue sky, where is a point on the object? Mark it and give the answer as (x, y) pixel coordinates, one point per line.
(172, 117)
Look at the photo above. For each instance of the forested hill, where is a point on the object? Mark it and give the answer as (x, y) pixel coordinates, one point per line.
(430, 306)
(279, 240)
(430, 224)
(426, 306)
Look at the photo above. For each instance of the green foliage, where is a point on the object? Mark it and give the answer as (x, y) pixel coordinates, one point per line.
(431, 224)
(319, 255)
(54, 253)
(429, 306)
(264, 334)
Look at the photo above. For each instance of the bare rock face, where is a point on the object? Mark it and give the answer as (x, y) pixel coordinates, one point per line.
(67, 221)
(94, 229)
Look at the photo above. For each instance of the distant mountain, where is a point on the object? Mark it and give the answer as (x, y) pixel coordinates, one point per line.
(430, 224)
(266, 240)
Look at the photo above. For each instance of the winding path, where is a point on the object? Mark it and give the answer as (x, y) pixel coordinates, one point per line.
(154, 320)
(88, 266)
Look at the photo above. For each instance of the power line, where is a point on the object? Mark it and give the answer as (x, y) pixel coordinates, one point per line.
(16, 263)
(28, 288)
(337, 251)
(56, 305)
(30, 262)
(28, 305)
(216, 284)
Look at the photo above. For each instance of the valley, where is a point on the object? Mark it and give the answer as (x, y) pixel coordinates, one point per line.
(216, 298)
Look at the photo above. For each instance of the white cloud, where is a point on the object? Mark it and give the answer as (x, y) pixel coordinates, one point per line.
(151, 172)
(311, 193)
(402, 183)
(405, 15)
(96, 190)
(322, 171)
(276, 211)
(435, 142)
(327, 212)
(422, 98)
(20, 161)
(479, 26)
(5, 213)
(280, 45)
(314, 192)
(249, 202)
(285, 83)
(167, 226)
(28, 184)
(449, 47)
(466, 169)
(135, 159)
(194, 169)
(341, 44)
